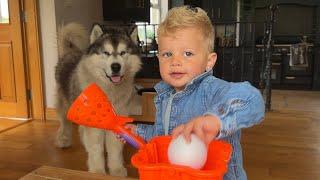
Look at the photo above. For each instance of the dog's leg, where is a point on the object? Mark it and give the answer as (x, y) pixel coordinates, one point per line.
(115, 156)
(64, 134)
(93, 141)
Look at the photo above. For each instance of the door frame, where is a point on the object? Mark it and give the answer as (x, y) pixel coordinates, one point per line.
(33, 62)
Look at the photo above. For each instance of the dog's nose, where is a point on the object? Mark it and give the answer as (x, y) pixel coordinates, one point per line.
(115, 67)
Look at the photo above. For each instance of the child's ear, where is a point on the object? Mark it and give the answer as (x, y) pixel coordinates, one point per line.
(212, 58)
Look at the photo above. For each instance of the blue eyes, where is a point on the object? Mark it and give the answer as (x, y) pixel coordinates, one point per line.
(166, 54)
(188, 54)
(169, 54)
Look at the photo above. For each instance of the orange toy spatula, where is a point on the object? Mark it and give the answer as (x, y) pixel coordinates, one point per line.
(92, 108)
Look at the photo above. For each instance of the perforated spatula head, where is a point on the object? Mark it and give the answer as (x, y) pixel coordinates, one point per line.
(92, 108)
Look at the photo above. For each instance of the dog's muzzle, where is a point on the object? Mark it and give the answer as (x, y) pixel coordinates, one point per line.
(115, 77)
(115, 67)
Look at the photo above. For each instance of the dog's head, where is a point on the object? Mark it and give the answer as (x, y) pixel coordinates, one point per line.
(113, 54)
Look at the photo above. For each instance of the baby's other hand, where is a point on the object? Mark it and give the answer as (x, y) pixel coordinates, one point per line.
(205, 127)
(131, 127)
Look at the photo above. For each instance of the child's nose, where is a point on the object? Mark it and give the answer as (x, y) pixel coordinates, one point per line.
(176, 61)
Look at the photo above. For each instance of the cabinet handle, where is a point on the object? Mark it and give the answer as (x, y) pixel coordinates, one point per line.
(276, 64)
(219, 13)
(290, 77)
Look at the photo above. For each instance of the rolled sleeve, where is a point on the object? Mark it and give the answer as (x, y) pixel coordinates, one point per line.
(238, 112)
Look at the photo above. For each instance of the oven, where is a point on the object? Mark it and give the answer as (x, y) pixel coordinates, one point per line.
(298, 66)
(285, 73)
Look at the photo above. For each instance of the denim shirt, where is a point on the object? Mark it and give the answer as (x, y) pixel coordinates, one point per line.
(237, 105)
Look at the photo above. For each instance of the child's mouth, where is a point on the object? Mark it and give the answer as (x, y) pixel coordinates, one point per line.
(177, 75)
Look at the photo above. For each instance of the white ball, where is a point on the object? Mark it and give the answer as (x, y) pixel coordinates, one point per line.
(193, 155)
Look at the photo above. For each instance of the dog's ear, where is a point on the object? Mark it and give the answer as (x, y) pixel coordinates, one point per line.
(96, 32)
(134, 35)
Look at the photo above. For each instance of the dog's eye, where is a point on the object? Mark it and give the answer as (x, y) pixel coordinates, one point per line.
(106, 53)
(122, 53)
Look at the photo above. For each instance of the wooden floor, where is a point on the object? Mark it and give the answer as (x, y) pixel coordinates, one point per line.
(286, 146)
(6, 124)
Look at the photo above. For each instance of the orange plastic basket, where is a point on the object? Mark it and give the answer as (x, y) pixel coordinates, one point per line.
(152, 162)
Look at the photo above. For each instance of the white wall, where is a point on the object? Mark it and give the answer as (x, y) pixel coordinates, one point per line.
(85, 12)
(49, 48)
(52, 14)
(164, 4)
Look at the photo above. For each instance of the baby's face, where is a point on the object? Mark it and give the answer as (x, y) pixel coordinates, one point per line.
(183, 55)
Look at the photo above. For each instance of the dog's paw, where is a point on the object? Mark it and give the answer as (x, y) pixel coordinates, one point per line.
(63, 141)
(121, 171)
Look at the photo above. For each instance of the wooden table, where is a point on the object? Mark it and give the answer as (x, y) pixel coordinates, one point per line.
(54, 173)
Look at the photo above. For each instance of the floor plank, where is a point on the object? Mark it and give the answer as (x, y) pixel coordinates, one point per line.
(287, 144)
(7, 124)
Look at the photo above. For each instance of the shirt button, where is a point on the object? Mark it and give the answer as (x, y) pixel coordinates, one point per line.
(173, 110)
(221, 110)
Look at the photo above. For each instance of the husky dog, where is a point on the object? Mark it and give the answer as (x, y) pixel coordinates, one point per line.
(111, 60)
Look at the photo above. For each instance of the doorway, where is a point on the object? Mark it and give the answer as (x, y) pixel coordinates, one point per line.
(13, 94)
(21, 93)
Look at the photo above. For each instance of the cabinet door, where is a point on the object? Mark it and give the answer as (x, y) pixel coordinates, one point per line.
(126, 10)
(223, 11)
(229, 10)
(257, 64)
(230, 64)
(207, 5)
(237, 64)
(247, 63)
(316, 75)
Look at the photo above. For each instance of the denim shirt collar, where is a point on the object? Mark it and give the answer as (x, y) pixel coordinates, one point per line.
(163, 88)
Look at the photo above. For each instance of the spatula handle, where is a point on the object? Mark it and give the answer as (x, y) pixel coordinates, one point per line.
(132, 139)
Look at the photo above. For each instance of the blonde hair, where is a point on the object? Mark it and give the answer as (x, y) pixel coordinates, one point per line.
(187, 16)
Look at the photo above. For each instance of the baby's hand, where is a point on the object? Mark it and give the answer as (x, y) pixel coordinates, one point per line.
(131, 127)
(205, 127)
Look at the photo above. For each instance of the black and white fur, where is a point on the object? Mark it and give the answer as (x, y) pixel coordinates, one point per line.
(111, 60)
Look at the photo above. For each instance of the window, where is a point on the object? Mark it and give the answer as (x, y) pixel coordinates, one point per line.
(4, 12)
(147, 32)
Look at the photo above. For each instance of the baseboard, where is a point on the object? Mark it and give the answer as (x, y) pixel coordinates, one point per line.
(51, 114)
